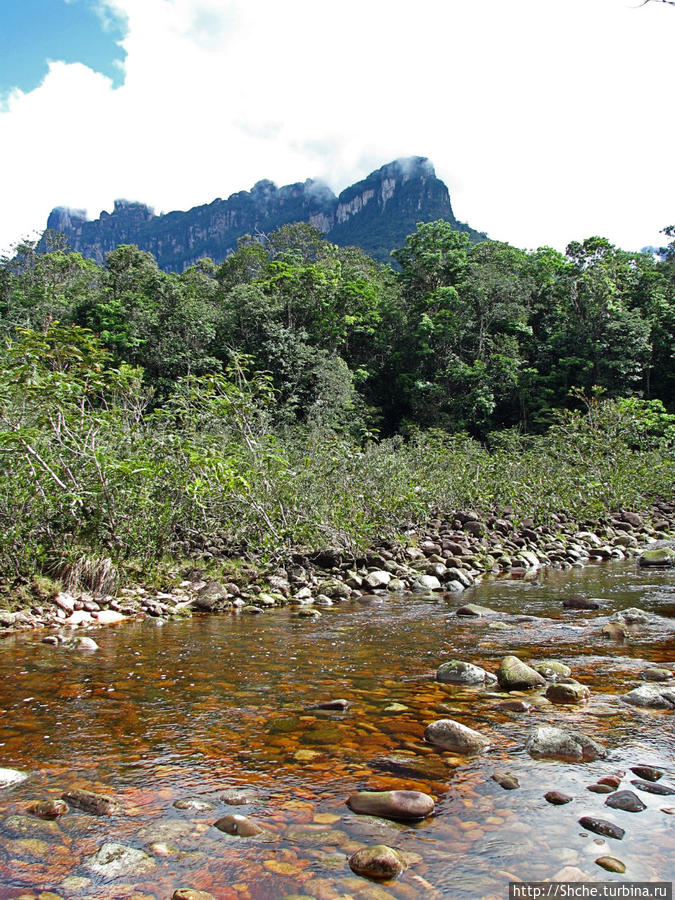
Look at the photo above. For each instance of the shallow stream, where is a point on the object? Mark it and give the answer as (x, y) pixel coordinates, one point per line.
(193, 709)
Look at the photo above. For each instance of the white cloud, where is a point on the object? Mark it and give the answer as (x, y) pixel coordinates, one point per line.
(548, 121)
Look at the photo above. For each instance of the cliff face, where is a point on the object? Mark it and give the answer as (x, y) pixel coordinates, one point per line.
(376, 214)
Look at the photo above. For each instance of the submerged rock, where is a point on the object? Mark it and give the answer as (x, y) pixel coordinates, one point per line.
(380, 862)
(506, 780)
(195, 804)
(241, 826)
(557, 798)
(392, 804)
(190, 894)
(578, 602)
(451, 735)
(458, 672)
(48, 809)
(515, 675)
(113, 860)
(552, 670)
(339, 704)
(557, 743)
(90, 802)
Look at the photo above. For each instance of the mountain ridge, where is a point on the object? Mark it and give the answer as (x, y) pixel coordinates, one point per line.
(376, 214)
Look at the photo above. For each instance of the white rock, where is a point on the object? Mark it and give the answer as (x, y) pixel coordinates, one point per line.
(9, 777)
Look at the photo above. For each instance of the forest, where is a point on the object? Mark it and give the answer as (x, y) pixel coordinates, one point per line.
(302, 394)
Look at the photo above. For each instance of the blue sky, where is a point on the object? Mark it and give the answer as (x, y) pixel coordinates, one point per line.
(34, 31)
(546, 120)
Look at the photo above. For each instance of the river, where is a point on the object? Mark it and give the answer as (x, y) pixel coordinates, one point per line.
(197, 708)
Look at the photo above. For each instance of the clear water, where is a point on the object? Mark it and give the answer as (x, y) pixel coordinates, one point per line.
(194, 708)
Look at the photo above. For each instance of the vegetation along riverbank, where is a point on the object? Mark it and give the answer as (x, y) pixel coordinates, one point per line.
(303, 422)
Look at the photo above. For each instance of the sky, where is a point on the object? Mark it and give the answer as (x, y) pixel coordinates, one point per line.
(549, 120)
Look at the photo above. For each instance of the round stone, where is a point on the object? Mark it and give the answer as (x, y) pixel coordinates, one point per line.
(380, 862)
(392, 804)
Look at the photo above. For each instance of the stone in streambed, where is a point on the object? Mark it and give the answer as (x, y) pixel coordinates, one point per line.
(661, 557)
(241, 826)
(190, 894)
(656, 673)
(472, 610)
(194, 804)
(578, 602)
(602, 827)
(113, 860)
(600, 788)
(10, 777)
(648, 787)
(456, 671)
(392, 804)
(649, 773)
(515, 675)
(29, 827)
(339, 704)
(557, 743)
(625, 800)
(48, 809)
(423, 584)
(651, 696)
(567, 692)
(506, 780)
(380, 862)
(611, 864)
(407, 765)
(450, 735)
(90, 802)
(614, 631)
(557, 798)
(552, 670)
(514, 706)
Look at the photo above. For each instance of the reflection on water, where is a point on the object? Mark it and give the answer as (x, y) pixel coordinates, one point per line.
(193, 708)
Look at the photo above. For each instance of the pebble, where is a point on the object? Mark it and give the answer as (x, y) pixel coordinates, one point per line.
(649, 787)
(506, 780)
(241, 826)
(626, 800)
(451, 735)
(649, 773)
(557, 798)
(602, 826)
(380, 862)
(611, 864)
(600, 788)
(392, 804)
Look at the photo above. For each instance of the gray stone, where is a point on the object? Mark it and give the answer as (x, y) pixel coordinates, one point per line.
(556, 743)
(552, 670)
(515, 675)
(451, 735)
(10, 777)
(113, 860)
(423, 584)
(659, 558)
(457, 671)
(377, 579)
(651, 696)
(473, 610)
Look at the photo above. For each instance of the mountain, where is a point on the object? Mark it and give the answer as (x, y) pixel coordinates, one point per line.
(375, 214)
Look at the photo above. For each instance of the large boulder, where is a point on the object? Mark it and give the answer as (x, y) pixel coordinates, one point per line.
(392, 804)
(651, 696)
(660, 557)
(456, 671)
(558, 743)
(450, 735)
(515, 675)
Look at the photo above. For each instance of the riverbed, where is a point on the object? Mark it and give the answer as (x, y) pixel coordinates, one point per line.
(207, 708)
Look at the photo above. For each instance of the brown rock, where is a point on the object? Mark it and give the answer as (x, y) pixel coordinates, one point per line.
(380, 862)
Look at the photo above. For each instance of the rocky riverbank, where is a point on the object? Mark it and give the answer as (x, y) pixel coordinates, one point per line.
(449, 555)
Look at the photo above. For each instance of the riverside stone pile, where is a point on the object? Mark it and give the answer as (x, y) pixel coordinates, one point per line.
(448, 556)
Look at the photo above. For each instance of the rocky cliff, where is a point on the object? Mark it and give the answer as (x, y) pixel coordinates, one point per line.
(376, 214)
